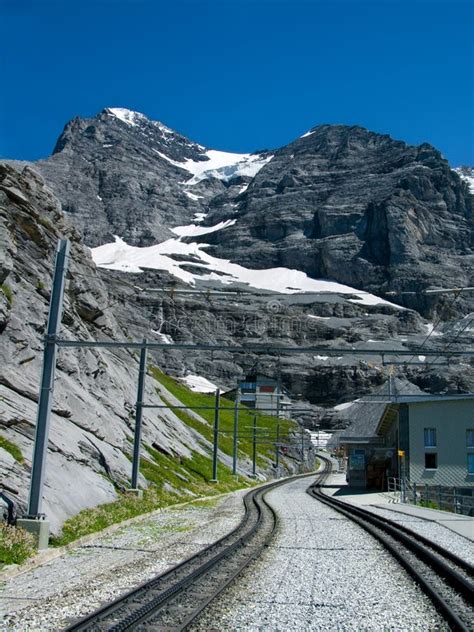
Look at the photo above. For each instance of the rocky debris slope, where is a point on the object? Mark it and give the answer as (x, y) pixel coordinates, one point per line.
(331, 322)
(92, 423)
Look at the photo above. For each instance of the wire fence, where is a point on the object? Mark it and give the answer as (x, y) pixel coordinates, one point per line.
(458, 500)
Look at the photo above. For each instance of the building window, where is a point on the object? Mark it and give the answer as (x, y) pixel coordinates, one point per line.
(470, 463)
(470, 437)
(430, 437)
(431, 461)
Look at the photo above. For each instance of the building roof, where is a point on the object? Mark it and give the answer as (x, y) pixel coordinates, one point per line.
(429, 397)
(365, 414)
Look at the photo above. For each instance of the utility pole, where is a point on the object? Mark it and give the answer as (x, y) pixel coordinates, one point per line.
(277, 444)
(277, 450)
(216, 437)
(138, 421)
(302, 448)
(254, 450)
(32, 521)
(403, 475)
(236, 429)
(316, 425)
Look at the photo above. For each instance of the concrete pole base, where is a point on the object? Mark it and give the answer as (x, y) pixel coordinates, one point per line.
(213, 480)
(38, 528)
(135, 492)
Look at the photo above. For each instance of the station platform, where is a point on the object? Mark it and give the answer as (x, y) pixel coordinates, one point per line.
(336, 486)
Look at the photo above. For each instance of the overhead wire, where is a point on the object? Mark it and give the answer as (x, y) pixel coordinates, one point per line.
(451, 342)
(438, 321)
(170, 293)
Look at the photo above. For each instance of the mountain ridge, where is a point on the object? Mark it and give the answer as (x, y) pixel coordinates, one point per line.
(401, 216)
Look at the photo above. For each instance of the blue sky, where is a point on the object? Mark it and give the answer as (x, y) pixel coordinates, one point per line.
(240, 75)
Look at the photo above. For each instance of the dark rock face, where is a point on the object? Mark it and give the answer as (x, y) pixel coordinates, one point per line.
(112, 177)
(347, 204)
(341, 203)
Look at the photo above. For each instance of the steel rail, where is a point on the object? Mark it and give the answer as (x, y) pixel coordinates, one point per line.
(170, 585)
(431, 554)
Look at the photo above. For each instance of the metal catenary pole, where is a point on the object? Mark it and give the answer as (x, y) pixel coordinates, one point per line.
(302, 446)
(254, 447)
(47, 380)
(277, 450)
(236, 429)
(138, 416)
(216, 437)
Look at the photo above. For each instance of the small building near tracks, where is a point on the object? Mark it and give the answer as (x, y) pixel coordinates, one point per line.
(263, 392)
(402, 432)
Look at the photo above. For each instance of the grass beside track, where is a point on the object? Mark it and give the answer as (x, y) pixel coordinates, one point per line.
(173, 479)
(266, 424)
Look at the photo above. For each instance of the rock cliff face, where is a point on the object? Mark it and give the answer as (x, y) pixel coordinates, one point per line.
(120, 173)
(344, 203)
(340, 202)
(95, 391)
(112, 178)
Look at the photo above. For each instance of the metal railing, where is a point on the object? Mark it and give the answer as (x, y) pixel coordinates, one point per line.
(453, 499)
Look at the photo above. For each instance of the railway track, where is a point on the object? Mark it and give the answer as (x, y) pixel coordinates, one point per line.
(173, 599)
(445, 578)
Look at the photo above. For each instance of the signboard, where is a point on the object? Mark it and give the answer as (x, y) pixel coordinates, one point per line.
(357, 462)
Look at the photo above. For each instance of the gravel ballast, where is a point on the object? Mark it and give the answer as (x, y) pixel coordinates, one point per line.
(457, 544)
(67, 588)
(321, 572)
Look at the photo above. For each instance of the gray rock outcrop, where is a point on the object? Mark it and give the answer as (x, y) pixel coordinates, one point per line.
(341, 203)
(89, 450)
(360, 208)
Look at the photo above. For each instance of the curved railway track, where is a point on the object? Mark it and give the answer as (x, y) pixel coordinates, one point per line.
(445, 578)
(173, 599)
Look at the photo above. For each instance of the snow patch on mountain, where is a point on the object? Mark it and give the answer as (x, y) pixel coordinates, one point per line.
(343, 406)
(127, 116)
(224, 165)
(198, 384)
(467, 174)
(132, 118)
(167, 340)
(193, 196)
(221, 165)
(191, 230)
(121, 256)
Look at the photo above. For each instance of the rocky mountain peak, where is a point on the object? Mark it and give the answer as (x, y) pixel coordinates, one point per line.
(136, 132)
(396, 213)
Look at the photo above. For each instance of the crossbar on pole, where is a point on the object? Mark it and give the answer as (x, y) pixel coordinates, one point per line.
(125, 344)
